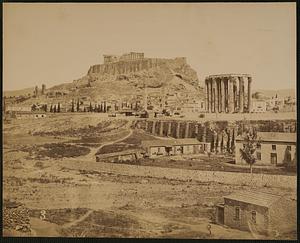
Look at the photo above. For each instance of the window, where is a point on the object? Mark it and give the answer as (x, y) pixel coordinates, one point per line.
(289, 147)
(253, 216)
(273, 158)
(237, 214)
(258, 155)
(273, 147)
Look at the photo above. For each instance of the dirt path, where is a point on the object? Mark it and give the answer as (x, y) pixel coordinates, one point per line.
(91, 155)
(83, 217)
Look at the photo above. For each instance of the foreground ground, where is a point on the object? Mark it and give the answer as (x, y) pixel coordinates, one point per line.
(43, 169)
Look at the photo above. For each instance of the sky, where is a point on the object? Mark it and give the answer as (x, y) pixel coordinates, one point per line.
(56, 43)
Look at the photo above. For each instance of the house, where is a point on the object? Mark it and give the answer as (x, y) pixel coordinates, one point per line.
(260, 212)
(274, 102)
(195, 106)
(128, 156)
(155, 148)
(14, 108)
(258, 106)
(273, 148)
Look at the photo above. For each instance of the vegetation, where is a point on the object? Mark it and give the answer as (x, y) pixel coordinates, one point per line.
(248, 151)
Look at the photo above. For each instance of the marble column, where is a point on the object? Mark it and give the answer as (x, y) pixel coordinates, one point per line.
(230, 96)
(196, 129)
(210, 95)
(153, 127)
(214, 95)
(222, 95)
(207, 108)
(249, 93)
(241, 94)
(161, 128)
(186, 132)
(178, 130)
(217, 100)
(204, 134)
(169, 133)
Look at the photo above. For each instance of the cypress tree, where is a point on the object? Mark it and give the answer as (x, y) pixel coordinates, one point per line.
(54, 109)
(95, 108)
(72, 109)
(58, 107)
(90, 108)
(104, 109)
(51, 108)
(77, 108)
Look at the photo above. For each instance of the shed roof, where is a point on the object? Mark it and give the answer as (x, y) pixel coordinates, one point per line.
(254, 197)
(171, 142)
(126, 152)
(274, 137)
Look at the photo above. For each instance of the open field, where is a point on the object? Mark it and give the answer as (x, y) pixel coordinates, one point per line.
(83, 199)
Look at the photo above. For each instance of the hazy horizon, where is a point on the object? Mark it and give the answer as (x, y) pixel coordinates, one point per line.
(57, 43)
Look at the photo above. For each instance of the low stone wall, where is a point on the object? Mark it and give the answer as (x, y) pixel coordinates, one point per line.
(233, 178)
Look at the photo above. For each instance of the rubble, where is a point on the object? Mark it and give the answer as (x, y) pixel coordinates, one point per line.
(16, 216)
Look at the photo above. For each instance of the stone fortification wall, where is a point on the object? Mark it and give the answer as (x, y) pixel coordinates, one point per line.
(130, 66)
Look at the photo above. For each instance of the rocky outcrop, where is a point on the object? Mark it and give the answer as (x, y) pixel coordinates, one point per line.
(124, 78)
(15, 217)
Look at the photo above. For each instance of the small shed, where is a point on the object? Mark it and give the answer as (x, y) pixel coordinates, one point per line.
(128, 156)
(182, 146)
(261, 212)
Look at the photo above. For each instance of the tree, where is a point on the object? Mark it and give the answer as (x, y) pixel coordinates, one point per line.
(77, 108)
(51, 108)
(104, 107)
(58, 107)
(91, 108)
(248, 151)
(33, 107)
(54, 109)
(101, 107)
(72, 109)
(95, 108)
(84, 110)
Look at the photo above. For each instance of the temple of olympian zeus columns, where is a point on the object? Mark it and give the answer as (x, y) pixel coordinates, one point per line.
(225, 93)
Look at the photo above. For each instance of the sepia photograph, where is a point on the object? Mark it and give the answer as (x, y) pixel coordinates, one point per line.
(149, 120)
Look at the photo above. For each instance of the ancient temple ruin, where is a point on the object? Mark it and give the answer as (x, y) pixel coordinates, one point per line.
(130, 63)
(125, 57)
(226, 93)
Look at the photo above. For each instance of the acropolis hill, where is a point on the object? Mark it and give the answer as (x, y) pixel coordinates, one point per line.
(130, 73)
(131, 62)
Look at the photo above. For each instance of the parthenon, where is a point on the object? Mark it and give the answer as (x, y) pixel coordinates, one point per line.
(225, 93)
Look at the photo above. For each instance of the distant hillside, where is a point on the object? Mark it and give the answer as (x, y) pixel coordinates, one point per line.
(280, 93)
(18, 92)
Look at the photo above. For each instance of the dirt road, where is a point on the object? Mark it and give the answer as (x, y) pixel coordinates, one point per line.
(68, 225)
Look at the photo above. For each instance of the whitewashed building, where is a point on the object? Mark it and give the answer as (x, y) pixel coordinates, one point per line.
(273, 148)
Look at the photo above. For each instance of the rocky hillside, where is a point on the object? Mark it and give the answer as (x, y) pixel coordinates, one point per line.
(169, 75)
